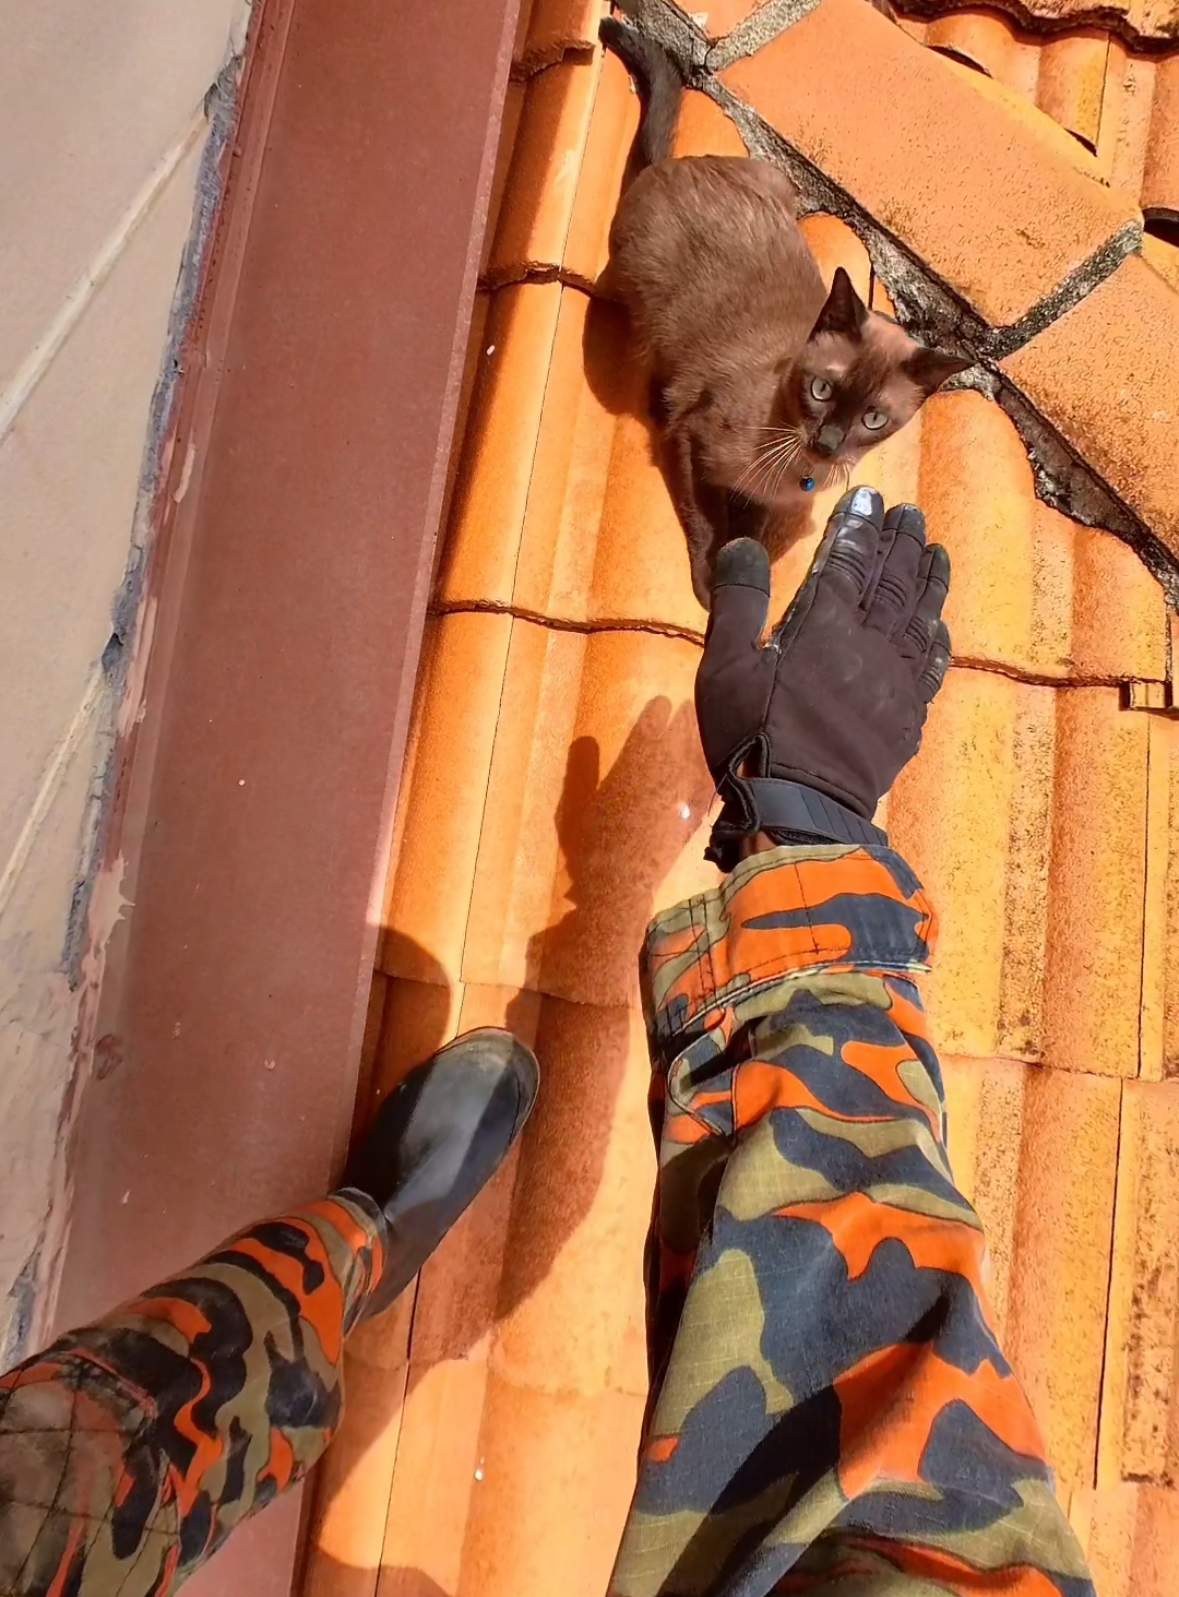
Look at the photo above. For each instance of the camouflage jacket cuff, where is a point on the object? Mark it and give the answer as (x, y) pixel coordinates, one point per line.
(781, 914)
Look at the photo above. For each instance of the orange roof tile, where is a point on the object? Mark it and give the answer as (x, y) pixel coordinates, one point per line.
(1138, 20)
(555, 793)
(1105, 376)
(1130, 1534)
(1003, 232)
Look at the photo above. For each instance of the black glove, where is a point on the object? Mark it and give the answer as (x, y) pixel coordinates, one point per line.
(805, 735)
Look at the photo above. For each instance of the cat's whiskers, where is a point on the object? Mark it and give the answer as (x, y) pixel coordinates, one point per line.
(784, 466)
(765, 459)
(771, 459)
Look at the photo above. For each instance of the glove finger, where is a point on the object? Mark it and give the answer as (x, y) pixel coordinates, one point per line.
(844, 561)
(933, 584)
(937, 663)
(896, 590)
(740, 602)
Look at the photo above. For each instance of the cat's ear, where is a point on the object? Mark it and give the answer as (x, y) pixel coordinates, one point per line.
(929, 369)
(844, 312)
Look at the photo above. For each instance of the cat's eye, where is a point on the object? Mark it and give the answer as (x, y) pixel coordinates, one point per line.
(874, 420)
(821, 389)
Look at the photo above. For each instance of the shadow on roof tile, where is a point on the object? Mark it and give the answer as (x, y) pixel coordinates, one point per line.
(617, 776)
(571, 1308)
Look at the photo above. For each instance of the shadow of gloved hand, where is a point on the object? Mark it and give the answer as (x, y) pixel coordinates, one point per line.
(805, 734)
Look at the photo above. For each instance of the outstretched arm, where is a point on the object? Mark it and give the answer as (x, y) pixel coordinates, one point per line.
(831, 1409)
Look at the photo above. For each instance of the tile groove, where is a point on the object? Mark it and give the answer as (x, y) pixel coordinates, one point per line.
(661, 629)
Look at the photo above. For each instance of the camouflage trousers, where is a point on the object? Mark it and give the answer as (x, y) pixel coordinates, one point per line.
(131, 1448)
(830, 1406)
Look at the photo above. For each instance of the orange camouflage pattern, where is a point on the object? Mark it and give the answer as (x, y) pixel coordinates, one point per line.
(830, 1408)
(131, 1448)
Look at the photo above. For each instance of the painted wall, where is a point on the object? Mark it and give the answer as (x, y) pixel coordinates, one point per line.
(102, 129)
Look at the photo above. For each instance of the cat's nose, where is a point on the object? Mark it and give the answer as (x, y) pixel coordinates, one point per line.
(828, 442)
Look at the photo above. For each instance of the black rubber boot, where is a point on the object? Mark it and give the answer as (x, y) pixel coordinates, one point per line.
(437, 1140)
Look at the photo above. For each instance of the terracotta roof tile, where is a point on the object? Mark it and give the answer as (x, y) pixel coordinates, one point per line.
(1140, 1415)
(986, 40)
(512, 889)
(704, 129)
(1164, 257)
(1002, 257)
(1055, 1331)
(353, 1483)
(1105, 376)
(985, 1105)
(1130, 99)
(1071, 83)
(558, 472)
(571, 1314)
(553, 1492)
(1148, 19)
(1032, 590)
(515, 99)
(1118, 618)
(1059, 144)
(1160, 994)
(1095, 907)
(613, 121)
(550, 28)
(431, 1497)
(569, 150)
(1130, 1535)
(979, 500)
(989, 879)
(418, 1016)
(833, 244)
(534, 217)
(1160, 178)
(432, 888)
(1116, 102)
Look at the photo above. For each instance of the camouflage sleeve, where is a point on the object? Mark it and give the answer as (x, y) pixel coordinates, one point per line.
(131, 1448)
(830, 1408)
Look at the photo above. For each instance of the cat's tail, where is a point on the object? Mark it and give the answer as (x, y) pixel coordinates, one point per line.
(659, 84)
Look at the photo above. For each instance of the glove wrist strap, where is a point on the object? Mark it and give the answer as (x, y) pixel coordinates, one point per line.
(767, 804)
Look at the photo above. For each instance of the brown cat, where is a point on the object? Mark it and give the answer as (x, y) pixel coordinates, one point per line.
(764, 385)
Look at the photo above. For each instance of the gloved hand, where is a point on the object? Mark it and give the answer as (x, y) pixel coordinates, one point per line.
(804, 735)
